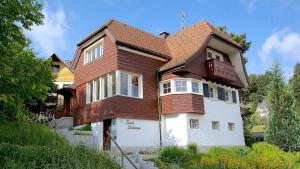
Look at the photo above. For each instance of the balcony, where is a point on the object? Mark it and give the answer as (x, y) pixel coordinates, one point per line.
(220, 70)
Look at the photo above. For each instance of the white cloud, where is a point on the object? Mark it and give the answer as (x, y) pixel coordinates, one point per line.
(51, 36)
(284, 44)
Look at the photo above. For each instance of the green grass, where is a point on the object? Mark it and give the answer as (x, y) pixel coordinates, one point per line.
(260, 156)
(34, 146)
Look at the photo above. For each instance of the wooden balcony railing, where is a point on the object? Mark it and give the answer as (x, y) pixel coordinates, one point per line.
(220, 70)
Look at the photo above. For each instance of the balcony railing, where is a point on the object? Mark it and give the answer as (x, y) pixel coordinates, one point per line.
(220, 70)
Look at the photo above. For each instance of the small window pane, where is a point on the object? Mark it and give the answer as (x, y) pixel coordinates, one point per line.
(56, 68)
(211, 92)
(105, 86)
(135, 85)
(180, 86)
(194, 123)
(227, 96)
(124, 84)
(218, 57)
(209, 55)
(98, 89)
(195, 87)
(113, 83)
(215, 125)
(231, 126)
(91, 93)
(167, 88)
(98, 51)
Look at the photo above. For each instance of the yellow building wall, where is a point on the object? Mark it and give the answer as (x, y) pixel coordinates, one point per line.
(64, 75)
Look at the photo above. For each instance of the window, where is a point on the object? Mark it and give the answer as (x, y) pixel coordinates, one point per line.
(206, 90)
(56, 68)
(221, 93)
(227, 96)
(215, 125)
(97, 88)
(212, 54)
(112, 84)
(195, 87)
(105, 86)
(93, 52)
(65, 85)
(166, 87)
(194, 123)
(124, 84)
(90, 91)
(135, 86)
(180, 85)
(231, 126)
(233, 96)
(211, 92)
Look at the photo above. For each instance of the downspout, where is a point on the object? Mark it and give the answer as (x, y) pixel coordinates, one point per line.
(159, 108)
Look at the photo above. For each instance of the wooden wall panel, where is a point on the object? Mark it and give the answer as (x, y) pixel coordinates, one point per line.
(182, 103)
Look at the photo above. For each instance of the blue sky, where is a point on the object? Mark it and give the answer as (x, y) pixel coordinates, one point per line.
(273, 26)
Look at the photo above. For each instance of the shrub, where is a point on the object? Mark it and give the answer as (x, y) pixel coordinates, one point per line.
(86, 127)
(174, 154)
(193, 148)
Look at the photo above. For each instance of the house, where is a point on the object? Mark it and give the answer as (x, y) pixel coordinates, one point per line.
(64, 77)
(150, 91)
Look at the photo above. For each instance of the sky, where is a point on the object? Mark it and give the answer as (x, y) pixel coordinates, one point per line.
(273, 26)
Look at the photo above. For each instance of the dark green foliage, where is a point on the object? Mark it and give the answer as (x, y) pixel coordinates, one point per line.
(86, 127)
(193, 148)
(261, 156)
(24, 146)
(283, 124)
(24, 79)
(174, 154)
(295, 83)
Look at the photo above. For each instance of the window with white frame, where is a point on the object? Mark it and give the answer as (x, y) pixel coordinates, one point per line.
(231, 126)
(211, 92)
(127, 84)
(212, 54)
(166, 87)
(180, 85)
(195, 87)
(93, 52)
(215, 125)
(194, 123)
(227, 95)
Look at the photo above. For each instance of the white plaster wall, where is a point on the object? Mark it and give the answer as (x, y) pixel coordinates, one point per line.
(147, 134)
(223, 112)
(97, 129)
(174, 129)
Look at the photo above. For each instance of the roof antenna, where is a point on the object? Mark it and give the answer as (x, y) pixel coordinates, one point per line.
(182, 16)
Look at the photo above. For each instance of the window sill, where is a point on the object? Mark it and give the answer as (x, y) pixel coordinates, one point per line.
(181, 93)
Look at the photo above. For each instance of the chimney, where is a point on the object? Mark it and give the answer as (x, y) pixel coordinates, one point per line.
(163, 34)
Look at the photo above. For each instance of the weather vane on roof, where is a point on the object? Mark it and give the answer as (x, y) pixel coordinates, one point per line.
(182, 15)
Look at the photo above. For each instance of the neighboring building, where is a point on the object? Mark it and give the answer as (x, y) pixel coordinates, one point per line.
(64, 77)
(170, 90)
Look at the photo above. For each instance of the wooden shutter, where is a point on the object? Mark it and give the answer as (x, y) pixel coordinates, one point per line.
(205, 90)
(233, 96)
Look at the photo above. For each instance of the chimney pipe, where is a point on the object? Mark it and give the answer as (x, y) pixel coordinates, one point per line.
(163, 34)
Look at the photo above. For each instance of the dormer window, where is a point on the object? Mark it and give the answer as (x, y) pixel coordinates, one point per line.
(212, 54)
(94, 52)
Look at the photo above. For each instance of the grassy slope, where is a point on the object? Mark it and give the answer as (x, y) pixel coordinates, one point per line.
(36, 146)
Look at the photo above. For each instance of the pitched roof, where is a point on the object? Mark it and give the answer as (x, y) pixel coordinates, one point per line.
(178, 48)
(133, 37)
(185, 43)
(67, 64)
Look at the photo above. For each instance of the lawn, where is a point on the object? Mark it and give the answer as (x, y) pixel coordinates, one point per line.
(24, 145)
(260, 156)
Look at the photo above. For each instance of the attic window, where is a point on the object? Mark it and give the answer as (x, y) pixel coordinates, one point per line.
(94, 52)
(56, 68)
(212, 54)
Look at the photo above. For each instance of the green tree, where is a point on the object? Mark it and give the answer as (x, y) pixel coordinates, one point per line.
(23, 77)
(283, 125)
(241, 39)
(295, 83)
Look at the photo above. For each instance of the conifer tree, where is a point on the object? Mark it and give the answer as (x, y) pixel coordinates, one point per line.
(283, 124)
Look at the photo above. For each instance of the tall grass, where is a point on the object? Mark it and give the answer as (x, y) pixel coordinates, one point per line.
(24, 145)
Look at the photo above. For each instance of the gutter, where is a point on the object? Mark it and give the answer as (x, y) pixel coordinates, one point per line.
(159, 109)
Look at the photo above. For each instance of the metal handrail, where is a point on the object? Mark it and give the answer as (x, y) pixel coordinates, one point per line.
(122, 152)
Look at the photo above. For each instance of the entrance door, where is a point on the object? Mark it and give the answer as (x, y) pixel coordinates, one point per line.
(106, 138)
